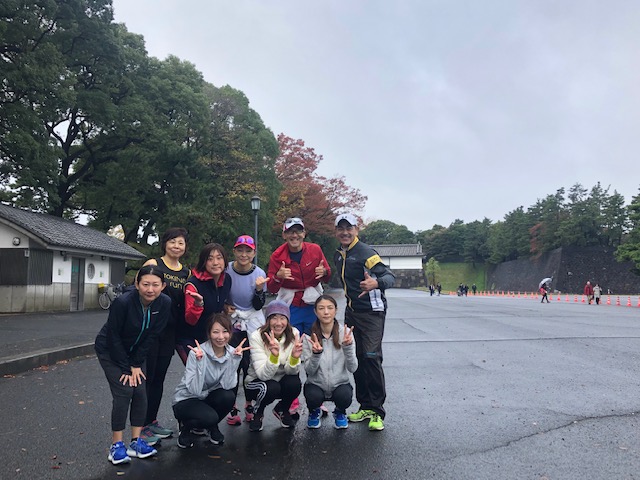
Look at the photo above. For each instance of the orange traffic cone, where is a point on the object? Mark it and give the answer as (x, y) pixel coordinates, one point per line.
(609, 300)
(567, 298)
(629, 302)
(618, 301)
(575, 298)
(558, 299)
(582, 298)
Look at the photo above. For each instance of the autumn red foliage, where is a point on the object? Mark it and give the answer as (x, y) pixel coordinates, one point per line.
(305, 194)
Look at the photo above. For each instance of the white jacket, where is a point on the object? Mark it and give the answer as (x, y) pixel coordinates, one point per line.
(262, 368)
(330, 368)
(209, 373)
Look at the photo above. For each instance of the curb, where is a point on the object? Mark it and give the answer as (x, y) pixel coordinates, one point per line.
(46, 357)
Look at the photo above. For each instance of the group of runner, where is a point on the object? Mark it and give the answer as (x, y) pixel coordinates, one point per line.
(213, 317)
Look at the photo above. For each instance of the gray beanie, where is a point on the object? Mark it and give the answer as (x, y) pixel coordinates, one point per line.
(277, 306)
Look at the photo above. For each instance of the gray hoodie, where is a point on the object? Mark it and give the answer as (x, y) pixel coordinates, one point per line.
(330, 368)
(209, 373)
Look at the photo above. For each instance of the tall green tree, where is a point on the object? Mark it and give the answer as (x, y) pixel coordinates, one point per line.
(630, 249)
(385, 232)
(432, 270)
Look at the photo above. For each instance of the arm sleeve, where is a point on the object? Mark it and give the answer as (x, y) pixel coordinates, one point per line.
(350, 359)
(257, 302)
(192, 312)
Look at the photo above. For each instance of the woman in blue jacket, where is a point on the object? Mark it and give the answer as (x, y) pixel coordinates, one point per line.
(135, 321)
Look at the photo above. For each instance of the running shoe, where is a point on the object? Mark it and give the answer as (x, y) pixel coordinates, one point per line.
(186, 438)
(234, 417)
(215, 436)
(148, 436)
(361, 415)
(158, 430)
(341, 420)
(248, 413)
(118, 454)
(294, 409)
(140, 449)
(255, 425)
(315, 418)
(285, 418)
(375, 423)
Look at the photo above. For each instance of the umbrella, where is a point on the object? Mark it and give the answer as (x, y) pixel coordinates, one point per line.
(544, 281)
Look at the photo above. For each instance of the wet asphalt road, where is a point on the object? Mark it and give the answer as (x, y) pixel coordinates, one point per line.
(494, 388)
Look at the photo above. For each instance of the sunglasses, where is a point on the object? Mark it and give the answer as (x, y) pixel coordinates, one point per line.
(245, 241)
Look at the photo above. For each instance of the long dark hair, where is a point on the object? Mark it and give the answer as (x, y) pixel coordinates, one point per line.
(149, 270)
(206, 251)
(317, 328)
(170, 234)
(289, 337)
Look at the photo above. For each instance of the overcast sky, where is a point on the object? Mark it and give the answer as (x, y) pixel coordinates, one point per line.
(435, 109)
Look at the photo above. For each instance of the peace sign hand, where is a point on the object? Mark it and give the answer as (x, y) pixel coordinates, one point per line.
(272, 343)
(297, 348)
(198, 350)
(316, 346)
(347, 339)
(320, 271)
(239, 350)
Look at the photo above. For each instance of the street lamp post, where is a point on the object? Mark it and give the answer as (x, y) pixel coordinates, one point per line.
(255, 206)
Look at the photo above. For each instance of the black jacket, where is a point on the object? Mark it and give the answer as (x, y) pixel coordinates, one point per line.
(351, 265)
(130, 330)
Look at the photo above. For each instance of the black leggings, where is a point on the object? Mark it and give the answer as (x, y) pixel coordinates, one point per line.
(207, 413)
(341, 396)
(287, 388)
(236, 338)
(124, 397)
(157, 366)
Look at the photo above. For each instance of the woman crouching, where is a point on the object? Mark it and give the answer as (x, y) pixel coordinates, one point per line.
(329, 356)
(275, 365)
(205, 395)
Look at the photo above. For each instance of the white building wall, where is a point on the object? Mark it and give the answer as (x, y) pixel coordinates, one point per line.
(403, 263)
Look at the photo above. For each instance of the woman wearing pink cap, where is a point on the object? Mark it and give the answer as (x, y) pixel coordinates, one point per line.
(248, 296)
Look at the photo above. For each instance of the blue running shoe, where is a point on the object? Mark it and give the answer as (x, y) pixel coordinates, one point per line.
(118, 454)
(315, 418)
(341, 420)
(140, 449)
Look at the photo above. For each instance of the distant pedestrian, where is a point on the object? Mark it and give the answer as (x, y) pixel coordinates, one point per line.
(274, 372)
(588, 291)
(173, 245)
(544, 292)
(206, 392)
(329, 356)
(439, 288)
(364, 279)
(135, 321)
(597, 293)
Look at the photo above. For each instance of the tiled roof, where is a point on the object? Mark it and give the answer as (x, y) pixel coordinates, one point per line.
(59, 233)
(404, 250)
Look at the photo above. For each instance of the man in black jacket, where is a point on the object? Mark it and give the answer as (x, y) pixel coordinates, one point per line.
(364, 279)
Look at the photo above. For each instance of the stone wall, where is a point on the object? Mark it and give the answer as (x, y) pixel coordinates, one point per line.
(410, 278)
(570, 268)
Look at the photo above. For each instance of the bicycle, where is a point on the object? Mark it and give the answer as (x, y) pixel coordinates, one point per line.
(110, 294)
